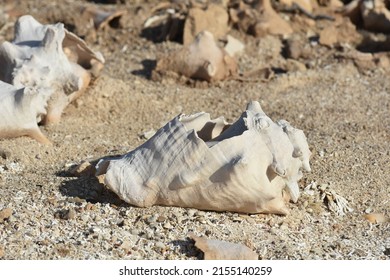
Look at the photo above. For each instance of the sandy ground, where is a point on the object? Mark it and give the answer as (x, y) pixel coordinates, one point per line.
(343, 110)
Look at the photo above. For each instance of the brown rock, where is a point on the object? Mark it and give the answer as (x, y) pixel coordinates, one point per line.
(214, 19)
(65, 214)
(5, 154)
(293, 48)
(329, 36)
(376, 218)
(295, 66)
(269, 21)
(5, 214)
(84, 169)
(304, 4)
(222, 250)
(1, 252)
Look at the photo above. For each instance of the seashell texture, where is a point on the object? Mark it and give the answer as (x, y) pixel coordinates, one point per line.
(48, 56)
(21, 110)
(197, 162)
(203, 59)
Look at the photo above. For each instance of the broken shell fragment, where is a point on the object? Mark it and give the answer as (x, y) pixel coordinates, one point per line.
(21, 110)
(48, 56)
(203, 59)
(197, 162)
(221, 250)
(376, 218)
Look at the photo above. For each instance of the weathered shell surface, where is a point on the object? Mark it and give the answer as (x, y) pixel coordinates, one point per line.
(21, 110)
(202, 59)
(207, 164)
(51, 52)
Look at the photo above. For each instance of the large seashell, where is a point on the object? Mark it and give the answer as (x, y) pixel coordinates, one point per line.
(48, 56)
(197, 162)
(21, 110)
(203, 59)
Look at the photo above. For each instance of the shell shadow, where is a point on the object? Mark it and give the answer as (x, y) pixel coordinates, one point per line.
(148, 66)
(90, 189)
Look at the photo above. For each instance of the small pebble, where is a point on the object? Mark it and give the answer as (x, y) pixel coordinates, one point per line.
(167, 225)
(135, 231)
(84, 218)
(161, 219)
(126, 246)
(191, 212)
(148, 134)
(160, 245)
(90, 206)
(2, 253)
(5, 154)
(5, 214)
(65, 214)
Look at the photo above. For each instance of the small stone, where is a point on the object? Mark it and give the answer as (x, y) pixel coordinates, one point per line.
(167, 226)
(126, 246)
(5, 154)
(199, 214)
(84, 218)
(329, 36)
(148, 134)
(5, 214)
(201, 220)
(161, 219)
(76, 200)
(84, 169)
(295, 66)
(97, 219)
(191, 212)
(90, 206)
(160, 245)
(376, 218)
(65, 214)
(2, 253)
(120, 223)
(284, 227)
(63, 251)
(52, 200)
(135, 231)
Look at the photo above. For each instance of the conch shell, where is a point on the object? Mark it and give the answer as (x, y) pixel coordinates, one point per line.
(20, 111)
(48, 56)
(197, 162)
(203, 59)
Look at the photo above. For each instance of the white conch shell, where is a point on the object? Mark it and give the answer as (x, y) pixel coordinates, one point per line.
(39, 51)
(207, 164)
(203, 59)
(21, 110)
